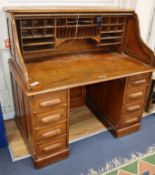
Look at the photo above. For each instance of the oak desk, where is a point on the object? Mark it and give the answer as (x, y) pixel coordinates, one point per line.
(63, 58)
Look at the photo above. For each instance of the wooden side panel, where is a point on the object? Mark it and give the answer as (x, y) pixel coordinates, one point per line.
(77, 97)
(106, 99)
(15, 97)
(15, 50)
(22, 112)
(11, 39)
(134, 45)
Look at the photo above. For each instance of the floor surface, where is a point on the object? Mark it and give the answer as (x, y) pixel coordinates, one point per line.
(93, 152)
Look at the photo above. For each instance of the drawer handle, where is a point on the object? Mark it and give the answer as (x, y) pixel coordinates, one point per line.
(51, 118)
(133, 108)
(52, 147)
(51, 134)
(136, 95)
(131, 120)
(137, 82)
(50, 102)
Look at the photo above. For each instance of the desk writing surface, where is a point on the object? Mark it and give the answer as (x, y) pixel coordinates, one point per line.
(74, 70)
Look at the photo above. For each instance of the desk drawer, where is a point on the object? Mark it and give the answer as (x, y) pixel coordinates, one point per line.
(135, 95)
(138, 80)
(132, 108)
(127, 120)
(50, 118)
(51, 147)
(50, 133)
(46, 102)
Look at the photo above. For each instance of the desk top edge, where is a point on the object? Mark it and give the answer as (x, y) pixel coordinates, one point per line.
(35, 9)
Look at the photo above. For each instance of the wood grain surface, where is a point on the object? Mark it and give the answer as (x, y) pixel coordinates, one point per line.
(64, 71)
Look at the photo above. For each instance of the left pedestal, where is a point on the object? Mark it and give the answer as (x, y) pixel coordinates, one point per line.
(43, 122)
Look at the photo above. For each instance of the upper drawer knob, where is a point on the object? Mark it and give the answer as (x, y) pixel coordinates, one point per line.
(51, 118)
(52, 147)
(132, 120)
(50, 102)
(138, 82)
(51, 133)
(133, 108)
(136, 95)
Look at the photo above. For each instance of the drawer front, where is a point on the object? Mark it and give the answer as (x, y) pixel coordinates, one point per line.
(138, 80)
(51, 147)
(50, 118)
(132, 108)
(135, 95)
(127, 120)
(46, 102)
(50, 133)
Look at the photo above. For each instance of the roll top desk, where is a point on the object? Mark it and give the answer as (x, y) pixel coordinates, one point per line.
(62, 58)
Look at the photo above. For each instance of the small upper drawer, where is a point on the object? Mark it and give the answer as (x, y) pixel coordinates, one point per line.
(49, 133)
(50, 118)
(135, 95)
(52, 146)
(49, 101)
(138, 80)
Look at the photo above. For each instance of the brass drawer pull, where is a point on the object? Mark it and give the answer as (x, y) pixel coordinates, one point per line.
(133, 108)
(137, 82)
(52, 147)
(51, 118)
(136, 95)
(51, 134)
(131, 120)
(50, 102)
